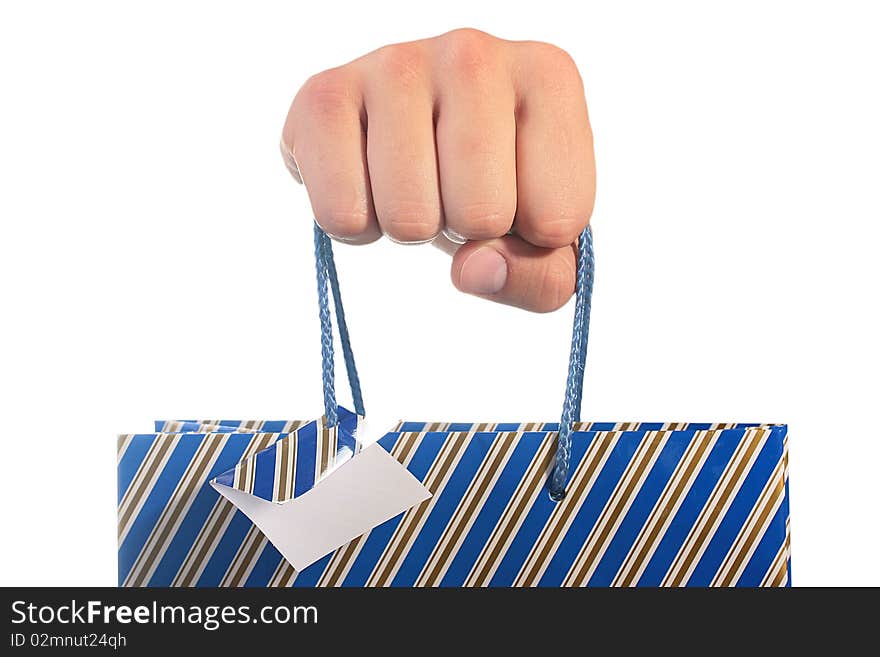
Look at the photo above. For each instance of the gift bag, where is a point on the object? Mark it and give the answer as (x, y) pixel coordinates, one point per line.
(567, 503)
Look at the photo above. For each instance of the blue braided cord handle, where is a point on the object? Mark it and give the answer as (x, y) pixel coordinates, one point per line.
(574, 387)
(326, 273)
(347, 354)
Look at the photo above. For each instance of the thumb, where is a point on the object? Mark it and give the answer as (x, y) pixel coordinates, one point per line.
(509, 270)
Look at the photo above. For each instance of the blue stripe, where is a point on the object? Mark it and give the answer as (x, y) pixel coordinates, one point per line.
(767, 549)
(603, 426)
(489, 514)
(412, 426)
(641, 507)
(378, 539)
(189, 427)
(306, 453)
(345, 435)
(651, 426)
(157, 499)
(267, 564)
(227, 477)
(737, 514)
(508, 426)
(388, 441)
(596, 498)
(309, 577)
(128, 466)
(690, 508)
(460, 426)
(226, 550)
(274, 426)
(264, 472)
(444, 506)
(198, 513)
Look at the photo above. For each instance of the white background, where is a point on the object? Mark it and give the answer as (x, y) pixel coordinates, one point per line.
(155, 256)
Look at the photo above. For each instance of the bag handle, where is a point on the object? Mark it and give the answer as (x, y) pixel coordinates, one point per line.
(574, 387)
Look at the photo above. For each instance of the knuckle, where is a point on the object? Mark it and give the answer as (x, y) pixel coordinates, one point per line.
(328, 93)
(482, 221)
(402, 63)
(470, 53)
(410, 221)
(561, 70)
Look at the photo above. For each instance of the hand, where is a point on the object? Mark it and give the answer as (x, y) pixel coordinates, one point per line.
(465, 136)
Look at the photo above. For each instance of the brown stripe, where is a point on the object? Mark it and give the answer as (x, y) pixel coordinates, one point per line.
(781, 577)
(581, 479)
(291, 453)
(325, 452)
(246, 475)
(634, 472)
(534, 477)
(342, 560)
(717, 503)
(253, 543)
(702, 446)
(122, 442)
(281, 456)
(287, 576)
(459, 521)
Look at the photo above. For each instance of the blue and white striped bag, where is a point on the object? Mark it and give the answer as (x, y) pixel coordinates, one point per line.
(567, 503)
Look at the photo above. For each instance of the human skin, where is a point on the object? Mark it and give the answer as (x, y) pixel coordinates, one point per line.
(460, 137)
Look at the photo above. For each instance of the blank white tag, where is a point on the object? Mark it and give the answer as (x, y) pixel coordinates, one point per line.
(364, 492)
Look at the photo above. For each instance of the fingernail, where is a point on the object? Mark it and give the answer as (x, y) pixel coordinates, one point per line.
(484, 272)
(290, 162)
(340, 238)
(453, 236)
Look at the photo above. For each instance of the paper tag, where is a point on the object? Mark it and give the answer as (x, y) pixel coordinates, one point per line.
(364, 492)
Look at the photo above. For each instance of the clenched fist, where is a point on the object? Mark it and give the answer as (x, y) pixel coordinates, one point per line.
(462, 138)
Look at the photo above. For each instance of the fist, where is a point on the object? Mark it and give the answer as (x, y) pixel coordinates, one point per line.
(460, 139)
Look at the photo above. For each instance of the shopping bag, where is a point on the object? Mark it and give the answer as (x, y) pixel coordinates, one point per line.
(568, 503)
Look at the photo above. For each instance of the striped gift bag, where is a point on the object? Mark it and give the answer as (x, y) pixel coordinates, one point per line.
(567, 503)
